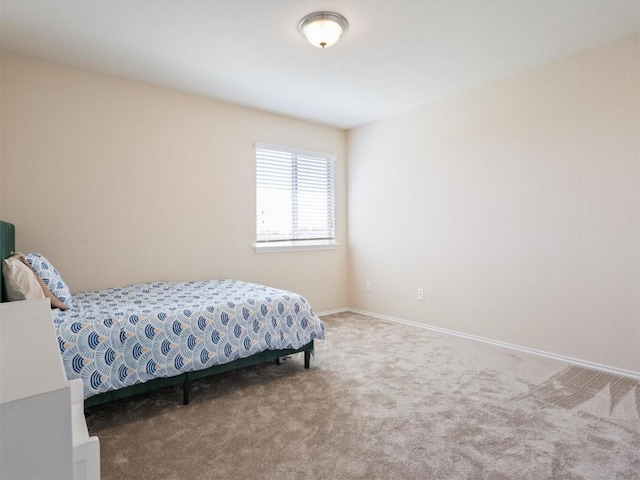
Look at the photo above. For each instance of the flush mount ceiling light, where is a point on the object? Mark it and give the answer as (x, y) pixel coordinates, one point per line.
(323, 29)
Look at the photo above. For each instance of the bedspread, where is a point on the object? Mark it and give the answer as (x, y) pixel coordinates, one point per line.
(122, 336)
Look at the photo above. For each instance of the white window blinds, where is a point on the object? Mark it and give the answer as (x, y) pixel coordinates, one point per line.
(294, 195)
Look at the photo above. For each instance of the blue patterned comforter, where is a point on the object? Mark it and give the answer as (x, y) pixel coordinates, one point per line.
(122, 336)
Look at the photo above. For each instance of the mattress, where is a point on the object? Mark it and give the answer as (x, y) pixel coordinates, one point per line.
(119, 337)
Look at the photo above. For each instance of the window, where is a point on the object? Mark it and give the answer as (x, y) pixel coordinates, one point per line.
(294, 199)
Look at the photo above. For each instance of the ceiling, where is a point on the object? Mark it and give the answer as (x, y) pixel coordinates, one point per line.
(396, 55)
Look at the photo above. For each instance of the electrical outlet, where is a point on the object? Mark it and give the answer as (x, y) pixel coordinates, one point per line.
(367, 286)
(421, 294)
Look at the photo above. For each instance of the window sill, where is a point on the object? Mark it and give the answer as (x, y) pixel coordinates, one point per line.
(272, 247)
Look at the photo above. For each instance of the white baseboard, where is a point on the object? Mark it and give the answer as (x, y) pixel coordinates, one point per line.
(575, 361)
(331, 312)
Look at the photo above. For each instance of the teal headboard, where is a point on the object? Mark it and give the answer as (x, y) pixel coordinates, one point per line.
(7, 247)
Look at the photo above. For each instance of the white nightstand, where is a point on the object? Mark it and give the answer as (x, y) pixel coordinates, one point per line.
(44, 432)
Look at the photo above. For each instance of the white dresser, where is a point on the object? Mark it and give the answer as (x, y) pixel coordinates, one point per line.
(43, 432)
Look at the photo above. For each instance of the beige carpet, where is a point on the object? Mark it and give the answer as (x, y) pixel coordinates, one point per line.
(382, 401)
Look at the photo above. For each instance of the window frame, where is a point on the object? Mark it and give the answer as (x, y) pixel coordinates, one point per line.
(264, 246)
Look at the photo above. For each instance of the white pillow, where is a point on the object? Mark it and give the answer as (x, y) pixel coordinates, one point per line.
(20, 281)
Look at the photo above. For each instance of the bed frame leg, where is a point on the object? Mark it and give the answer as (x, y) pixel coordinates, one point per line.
(307, 358)
(185, 392)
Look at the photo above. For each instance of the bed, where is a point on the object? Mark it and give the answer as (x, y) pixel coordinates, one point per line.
(130, 340)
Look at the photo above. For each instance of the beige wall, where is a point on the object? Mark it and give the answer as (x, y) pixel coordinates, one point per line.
(516, 206)
(119, 183)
